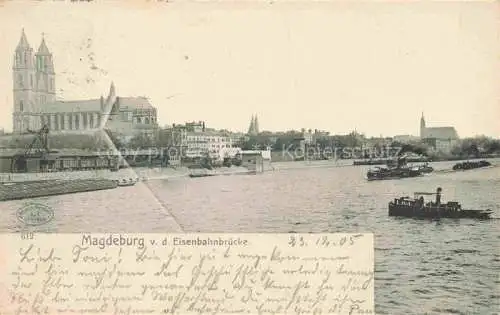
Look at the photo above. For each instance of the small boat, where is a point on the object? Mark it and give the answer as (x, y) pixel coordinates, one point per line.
(202, 175)
(417, 207)
(126, 182)
(425, 168)
(470, 165)
(198, 171)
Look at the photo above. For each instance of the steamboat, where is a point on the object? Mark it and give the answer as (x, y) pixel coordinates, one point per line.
(417, 207)
(394, 171)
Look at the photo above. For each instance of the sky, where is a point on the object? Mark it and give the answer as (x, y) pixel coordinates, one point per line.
(339, 66)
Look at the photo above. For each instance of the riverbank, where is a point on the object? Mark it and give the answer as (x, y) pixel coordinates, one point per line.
(139, 173)
(146, 173)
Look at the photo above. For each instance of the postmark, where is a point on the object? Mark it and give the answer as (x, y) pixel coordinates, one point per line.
(35, 213)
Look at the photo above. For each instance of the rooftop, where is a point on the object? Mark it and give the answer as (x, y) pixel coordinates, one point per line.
(93, 105)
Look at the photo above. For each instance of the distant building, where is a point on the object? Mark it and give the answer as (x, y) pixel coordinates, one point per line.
(405, 138)
(237, 138)
(441, 139)
(253, 129)
(256, 160)
(320, 135)
(195, 126)
(308, 137)
(35, 102)
(199, 144)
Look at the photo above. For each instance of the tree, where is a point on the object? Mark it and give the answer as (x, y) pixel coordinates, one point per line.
(118, 144)
(250, 143)
(140, 141)
(493, 147)
(165, 137)
(278, 145)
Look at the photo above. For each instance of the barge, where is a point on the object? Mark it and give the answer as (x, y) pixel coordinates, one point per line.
(383, 161)
(470, 165)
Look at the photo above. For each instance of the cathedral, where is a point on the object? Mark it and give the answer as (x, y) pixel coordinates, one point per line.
(35, 103)
(253, 129)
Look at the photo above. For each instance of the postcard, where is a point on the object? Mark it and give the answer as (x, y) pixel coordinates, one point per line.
(256, 157)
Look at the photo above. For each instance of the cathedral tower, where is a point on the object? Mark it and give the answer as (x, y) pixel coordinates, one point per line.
(24, 87)
(46, 88)
(34, 84)
(253, 129)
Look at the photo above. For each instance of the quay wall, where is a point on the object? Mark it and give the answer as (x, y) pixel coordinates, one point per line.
(179, 172)
(157, 173)
(141, 173)
(23, 190)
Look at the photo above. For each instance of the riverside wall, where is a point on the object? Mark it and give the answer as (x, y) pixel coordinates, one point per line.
(145, 173)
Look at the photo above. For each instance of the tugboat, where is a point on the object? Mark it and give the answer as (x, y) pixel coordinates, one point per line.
(417, 207)
(401, 170)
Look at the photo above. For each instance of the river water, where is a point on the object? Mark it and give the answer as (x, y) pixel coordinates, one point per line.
(422, 266)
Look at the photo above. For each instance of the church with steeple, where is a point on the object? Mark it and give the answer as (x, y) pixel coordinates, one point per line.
(441, 139)
(253, 129)
(440, 133)
(36, 104)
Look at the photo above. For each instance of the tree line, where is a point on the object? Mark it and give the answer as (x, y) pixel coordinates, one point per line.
(290, 140)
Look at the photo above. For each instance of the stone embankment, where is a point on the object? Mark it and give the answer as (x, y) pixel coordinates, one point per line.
(33, 189)
(144, 173)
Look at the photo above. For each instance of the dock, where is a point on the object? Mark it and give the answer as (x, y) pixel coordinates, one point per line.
(33, 189)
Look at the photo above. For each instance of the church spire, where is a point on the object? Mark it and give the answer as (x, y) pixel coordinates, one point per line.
(255, 125)
(43, 50)
(23, 55)
(44, 58)
(422, 126)
(112, 89)
(252, 124)
(23, 42)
